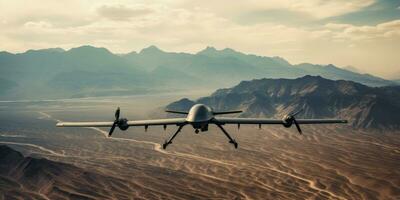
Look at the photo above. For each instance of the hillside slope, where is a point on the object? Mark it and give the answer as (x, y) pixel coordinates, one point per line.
(92, 71)
(37, 178)
(363, 106)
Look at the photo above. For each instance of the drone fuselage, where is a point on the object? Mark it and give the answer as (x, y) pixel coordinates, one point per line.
(199, 117)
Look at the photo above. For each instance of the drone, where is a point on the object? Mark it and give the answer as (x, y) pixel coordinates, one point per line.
(200, 116)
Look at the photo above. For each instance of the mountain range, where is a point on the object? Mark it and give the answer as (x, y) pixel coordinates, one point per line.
(36, 178)
(92, 71)
(317, 97)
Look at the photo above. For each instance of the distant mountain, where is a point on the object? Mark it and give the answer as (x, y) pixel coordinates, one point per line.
(335, 73)
(363, 106)
(352, 69)
(6, 85)
(54, 73)
(31, 178)
(226, 67)
(92, 71)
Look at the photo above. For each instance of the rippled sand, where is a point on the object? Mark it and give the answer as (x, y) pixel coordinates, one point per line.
(326, 162)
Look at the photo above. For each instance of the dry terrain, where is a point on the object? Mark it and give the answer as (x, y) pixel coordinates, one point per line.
(326, 162)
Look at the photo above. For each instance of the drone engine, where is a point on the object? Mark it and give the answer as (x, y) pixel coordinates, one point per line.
(289, 120)
(123, 124)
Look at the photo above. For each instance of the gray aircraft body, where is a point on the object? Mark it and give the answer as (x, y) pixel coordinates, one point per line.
(199, 117)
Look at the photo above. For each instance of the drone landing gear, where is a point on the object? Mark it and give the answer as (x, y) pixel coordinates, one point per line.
(166, 143)
(232, 141)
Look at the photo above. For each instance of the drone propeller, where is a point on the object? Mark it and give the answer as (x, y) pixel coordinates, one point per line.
(116, 121)
(291, 119)
(296, 113)
(297, 126)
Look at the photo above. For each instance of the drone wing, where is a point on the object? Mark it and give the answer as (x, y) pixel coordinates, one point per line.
(158, 122)
(152, 122)
(84, 124)
(231, 120)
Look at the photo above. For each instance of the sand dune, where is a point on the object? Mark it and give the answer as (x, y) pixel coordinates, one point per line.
(326, 162)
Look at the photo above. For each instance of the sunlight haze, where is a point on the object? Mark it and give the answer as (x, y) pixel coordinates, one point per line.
(363, 34)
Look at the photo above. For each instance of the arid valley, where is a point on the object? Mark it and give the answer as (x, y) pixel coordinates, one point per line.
(326, 162)
(188, 100)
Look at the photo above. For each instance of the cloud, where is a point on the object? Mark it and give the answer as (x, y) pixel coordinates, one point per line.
(38, 24)
(189, 26)
(389, 29)
(321, 9)
(17, 13)
(317, 9)
(122, 12)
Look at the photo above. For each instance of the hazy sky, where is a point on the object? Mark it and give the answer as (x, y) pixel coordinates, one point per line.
(360, 33)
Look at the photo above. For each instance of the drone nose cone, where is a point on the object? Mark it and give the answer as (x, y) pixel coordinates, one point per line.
(199, 113)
